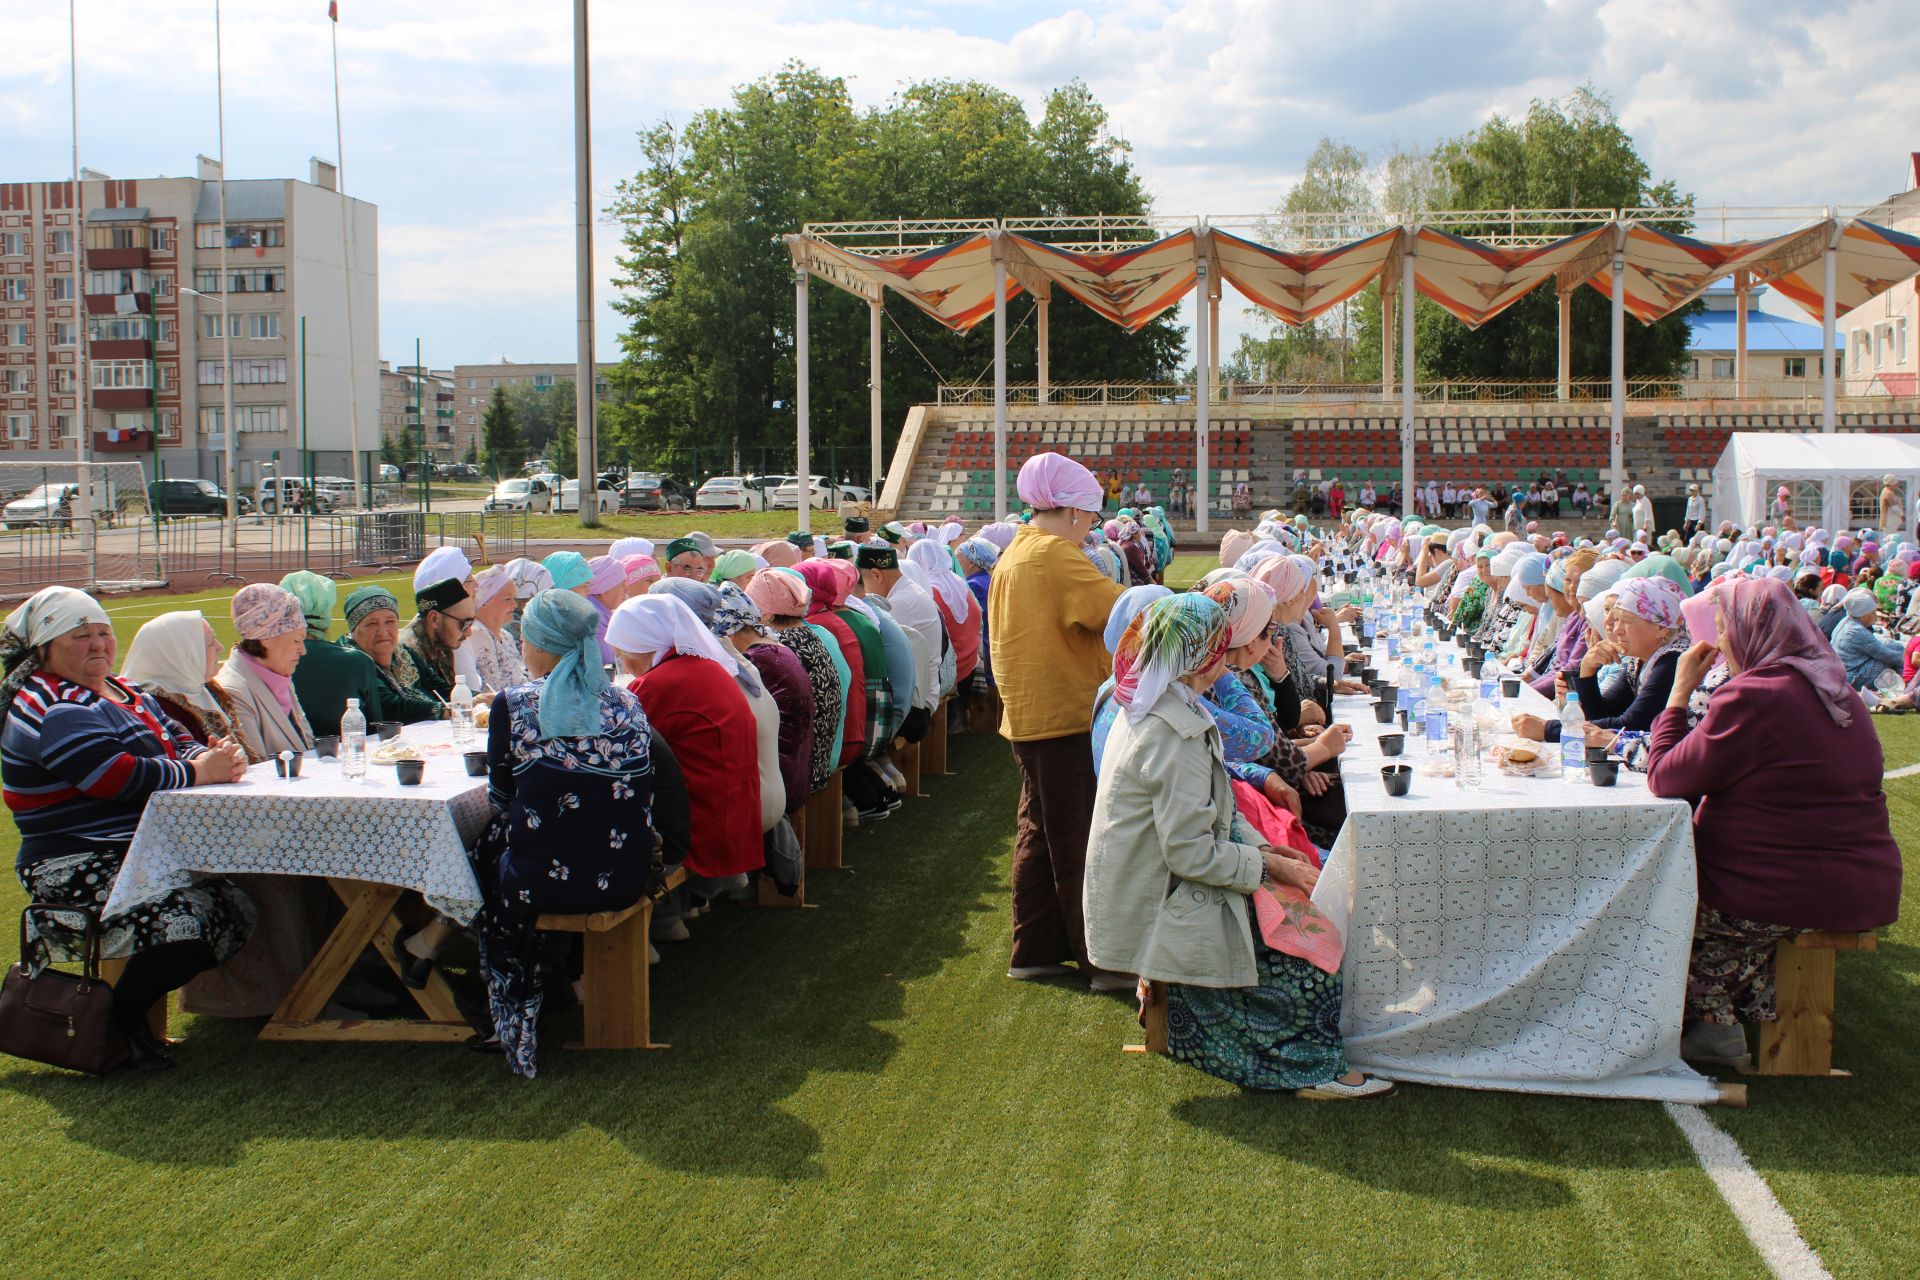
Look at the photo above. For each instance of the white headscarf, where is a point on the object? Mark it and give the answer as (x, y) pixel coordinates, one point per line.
(663, 624)
(530, 577)
(932, 558)
(442, 564)
(51, 612)
(624, 547)
(169, 655)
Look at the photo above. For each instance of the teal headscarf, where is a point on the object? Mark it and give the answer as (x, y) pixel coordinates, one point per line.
(569, 570)
(562, 623)
(1661, 566)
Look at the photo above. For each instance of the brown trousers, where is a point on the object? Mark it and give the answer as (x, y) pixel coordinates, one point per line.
(1050, 850)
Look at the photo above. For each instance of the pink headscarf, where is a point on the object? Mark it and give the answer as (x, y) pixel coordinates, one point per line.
(1654, 599)
(607, 574)
(1765, 626)
(1235, 544)
(262, 610)
(779, 554)
(1053, 480)
(780, 593)
(829, 586)
(1000, 533)
(639, 570)
(1282, 576)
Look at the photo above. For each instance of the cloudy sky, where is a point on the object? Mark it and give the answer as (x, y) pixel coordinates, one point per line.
(459, 112)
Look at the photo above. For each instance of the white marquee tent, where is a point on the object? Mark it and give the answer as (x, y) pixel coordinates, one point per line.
(1755, 463)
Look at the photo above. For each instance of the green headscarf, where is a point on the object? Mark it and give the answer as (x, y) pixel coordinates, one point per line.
(316, 595)
(1661, 566)
(732, 564)
(368, 599)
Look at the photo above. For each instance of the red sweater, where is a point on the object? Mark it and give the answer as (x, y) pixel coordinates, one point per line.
(704, 717)
(1790, 821)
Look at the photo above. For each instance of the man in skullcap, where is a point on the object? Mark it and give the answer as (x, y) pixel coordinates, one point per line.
(445, 613)
(684, 560)
(858, 528)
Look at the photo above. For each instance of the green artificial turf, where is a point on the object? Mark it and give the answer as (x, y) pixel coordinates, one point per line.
(859, 1091)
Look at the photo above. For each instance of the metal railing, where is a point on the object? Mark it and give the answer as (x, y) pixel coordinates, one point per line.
(1542, 391)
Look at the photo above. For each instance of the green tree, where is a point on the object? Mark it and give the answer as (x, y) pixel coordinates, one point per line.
(707, 283)
(500, 435)
(393, 450)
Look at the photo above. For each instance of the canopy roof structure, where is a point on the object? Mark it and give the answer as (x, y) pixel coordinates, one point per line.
(1474, 264)
(1754, 464)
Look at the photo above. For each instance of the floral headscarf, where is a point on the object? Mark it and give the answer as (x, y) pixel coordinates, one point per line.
(1248, 605)
(1172, 638)
(735, 612)
(1655, 599)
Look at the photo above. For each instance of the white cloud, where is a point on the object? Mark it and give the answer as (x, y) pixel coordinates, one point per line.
(459, 119)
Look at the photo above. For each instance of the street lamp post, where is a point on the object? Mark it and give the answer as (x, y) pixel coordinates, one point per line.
(226, 404)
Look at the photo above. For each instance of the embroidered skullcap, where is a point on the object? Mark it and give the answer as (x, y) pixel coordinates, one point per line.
(369, 600)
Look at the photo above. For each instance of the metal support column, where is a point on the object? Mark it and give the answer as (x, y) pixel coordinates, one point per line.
(1566, 346)
(586, 402)
(1202, 393)
(1044, 353)
(999, 380)
(1829, 319)
(1740, 285)
(802, 440)
(875, 479)
(1406, 385)
(1617, 341)
(1386, 339)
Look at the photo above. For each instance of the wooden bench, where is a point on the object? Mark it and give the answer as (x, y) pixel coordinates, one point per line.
(1155, 1022)
(933, 750)
(823, 827)
(1800, 1041)
(618, 1010)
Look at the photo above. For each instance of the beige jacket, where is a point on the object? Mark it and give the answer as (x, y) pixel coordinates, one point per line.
(1166, 888)
(265, 730)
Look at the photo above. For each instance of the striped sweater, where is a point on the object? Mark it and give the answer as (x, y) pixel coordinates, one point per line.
(77, 767)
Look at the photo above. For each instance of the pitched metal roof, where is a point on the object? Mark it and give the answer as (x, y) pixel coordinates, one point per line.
(248, 200)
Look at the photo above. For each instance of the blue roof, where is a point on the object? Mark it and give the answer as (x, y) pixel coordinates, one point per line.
(1714, 331)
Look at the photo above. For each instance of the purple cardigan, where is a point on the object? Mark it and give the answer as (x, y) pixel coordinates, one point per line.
(1568, 648)
(786, 679)
(1790, 821)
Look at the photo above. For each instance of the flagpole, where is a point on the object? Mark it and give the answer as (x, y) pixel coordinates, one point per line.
(83, 390)
(360, 484)
(227, 424)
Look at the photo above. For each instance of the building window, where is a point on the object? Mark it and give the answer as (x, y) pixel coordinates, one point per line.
(257, 280)
(210, 325)
(207, 281)
(15, 289)
(164, 374)
(161, 240)
(245, 372)
(164, 330)
(15, 335)
(116, 236)
(163, 284)
(19, 426)
(1900, 340)
(117, 282)
(1722, 370)
(64, 332)
(121, 375)
(249, 418)
(19, 381)
(63, 426)
(13, 244)
(1794, 366)
(61, 288)
(240, 235)
(263, 324)
(119, 329)
(63, 377)
(63, 242)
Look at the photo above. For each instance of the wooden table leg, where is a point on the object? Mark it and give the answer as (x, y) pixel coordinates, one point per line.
(823, 826)
(933, 752)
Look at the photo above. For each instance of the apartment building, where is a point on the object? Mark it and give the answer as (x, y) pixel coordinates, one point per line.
(474, 384)
(434, 418)
(119, 268)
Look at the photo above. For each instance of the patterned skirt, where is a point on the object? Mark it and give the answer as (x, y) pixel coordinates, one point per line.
(1282, 1033)
(1730, 976)
(211, 910)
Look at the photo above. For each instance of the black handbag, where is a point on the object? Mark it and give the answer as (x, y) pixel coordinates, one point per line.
(62, 1019)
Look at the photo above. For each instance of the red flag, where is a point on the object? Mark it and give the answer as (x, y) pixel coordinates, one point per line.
(333, 9)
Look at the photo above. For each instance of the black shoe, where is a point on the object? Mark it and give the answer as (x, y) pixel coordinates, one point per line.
(146, 1051)
(878, 811)
(415, 971)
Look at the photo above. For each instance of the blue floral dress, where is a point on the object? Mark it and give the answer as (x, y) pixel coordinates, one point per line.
(571, 833)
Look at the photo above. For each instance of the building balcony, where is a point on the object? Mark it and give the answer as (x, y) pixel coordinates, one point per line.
(117, 259)
(103, 304)
(122, 441)
(120, 349)
(122, 398)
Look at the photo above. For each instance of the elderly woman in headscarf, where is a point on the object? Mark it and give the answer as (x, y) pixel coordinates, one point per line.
(496, 654)
(81, 751)
(709, 606)
(1770, 864)
(1646, 636)
(827, 591)
(570, 778)
(688, 683)
(783, 714)
(606, 588)
(783, 598)
(961, 614)
(530, 578)
(1168, 886)
(1866, 654)
(373, 631)
(1472, 588)
(975, 559)
(258, 675)
(331, 673)
(1585, 575)
(735, 566)
(173, 658)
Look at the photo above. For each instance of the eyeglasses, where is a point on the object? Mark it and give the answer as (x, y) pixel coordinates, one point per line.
(466, 623)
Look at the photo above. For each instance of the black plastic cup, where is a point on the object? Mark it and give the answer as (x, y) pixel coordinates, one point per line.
(1383, 711)
(1398, 778)
(1404, 717)
(1392, 744)
(410, 772)
(1596, 754)
(326, 746)
(1510, 686)
(388, 730)
(1603, 773)
(1370, 674)
(288, 767)
(476, 762)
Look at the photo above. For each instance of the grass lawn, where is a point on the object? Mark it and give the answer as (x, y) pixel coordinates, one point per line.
(859, 1091)
(661, 525)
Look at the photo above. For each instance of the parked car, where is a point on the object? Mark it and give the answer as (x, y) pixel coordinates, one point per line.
(855, 494)
(462, 471)
(527, 494)
(605, 496)
(730, 493)
(648, 491)
(337, 490)
(192, 498)
(389, 473)
(821, 493)
(277, 494)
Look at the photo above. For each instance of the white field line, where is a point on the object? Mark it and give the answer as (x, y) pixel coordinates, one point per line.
(1907, 772)
(1747, 1194)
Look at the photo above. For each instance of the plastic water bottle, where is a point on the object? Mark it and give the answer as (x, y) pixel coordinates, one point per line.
(1490, 682)
(353, 741)
(1436, 713)
(1573, 740)
(1465, 729)
(462, 712)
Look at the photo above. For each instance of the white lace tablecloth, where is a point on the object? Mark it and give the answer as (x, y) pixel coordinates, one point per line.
(1530, 935)
(319, 824)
